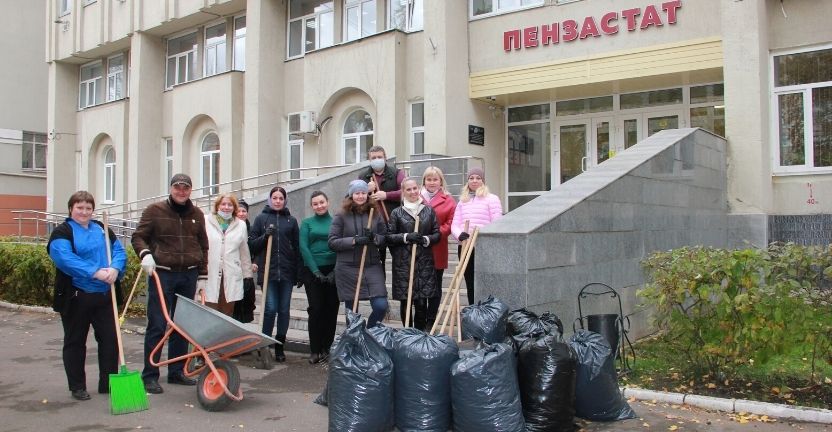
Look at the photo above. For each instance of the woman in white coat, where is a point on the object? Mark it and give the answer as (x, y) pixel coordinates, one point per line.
(229, 260)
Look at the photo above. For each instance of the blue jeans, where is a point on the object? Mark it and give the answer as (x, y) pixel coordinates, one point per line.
(379, 305)
(184, 284)
(277, 303)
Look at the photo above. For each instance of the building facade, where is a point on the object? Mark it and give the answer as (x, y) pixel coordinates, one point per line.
(542, 90)
(23, 137)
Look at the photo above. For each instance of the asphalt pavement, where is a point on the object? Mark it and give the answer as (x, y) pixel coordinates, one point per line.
(34, 395)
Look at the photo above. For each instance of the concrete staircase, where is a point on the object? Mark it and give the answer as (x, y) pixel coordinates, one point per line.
(297, 338)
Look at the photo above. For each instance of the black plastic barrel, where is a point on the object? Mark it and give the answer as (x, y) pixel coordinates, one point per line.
(606, 325)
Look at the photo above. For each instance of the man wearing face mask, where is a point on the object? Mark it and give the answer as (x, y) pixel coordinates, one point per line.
(384, 183)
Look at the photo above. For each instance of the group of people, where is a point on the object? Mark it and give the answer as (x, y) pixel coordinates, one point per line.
(217, 257)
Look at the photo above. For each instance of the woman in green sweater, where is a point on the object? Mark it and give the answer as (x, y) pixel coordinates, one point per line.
(318, 278)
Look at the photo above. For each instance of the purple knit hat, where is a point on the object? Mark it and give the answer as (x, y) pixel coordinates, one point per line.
(476, 171)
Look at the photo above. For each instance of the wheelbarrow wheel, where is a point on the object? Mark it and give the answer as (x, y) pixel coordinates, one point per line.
(209, 389)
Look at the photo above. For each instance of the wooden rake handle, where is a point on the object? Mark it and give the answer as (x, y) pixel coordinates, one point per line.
(361, 264)
(113, 290)
(265, 285)
(410, 281)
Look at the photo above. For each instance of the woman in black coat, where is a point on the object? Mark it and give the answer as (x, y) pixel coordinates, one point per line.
(275, 220)
(401, 238)
(347, 237)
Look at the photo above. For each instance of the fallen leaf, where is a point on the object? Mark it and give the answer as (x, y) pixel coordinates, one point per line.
(711, 385)
(775, 390)
(673, 427)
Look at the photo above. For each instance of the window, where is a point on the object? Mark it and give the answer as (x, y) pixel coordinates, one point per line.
(358, 136)
(215, 50)
(311, 26)
(529, 147)
(109, 174)
(803, 108)
(64, 7)
(210, 158)
(651, 98)
(181, 60)
(34, 151)
(359, 19)
(406, 15)
(417, 127)
(707, 108)
(115, 78)
(240, 43)
(295, 155)
(482, 8)
(88, 92)
(168, 163)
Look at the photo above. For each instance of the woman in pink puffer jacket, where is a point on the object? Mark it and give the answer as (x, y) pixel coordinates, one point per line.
(479, 207)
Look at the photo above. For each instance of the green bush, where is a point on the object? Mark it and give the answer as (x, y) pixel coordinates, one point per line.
(724, 308)
(27, 274)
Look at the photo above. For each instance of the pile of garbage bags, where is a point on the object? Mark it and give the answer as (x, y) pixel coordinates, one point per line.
(513, 372)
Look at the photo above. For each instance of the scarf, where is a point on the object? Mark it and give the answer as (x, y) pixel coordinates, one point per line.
(413, 207)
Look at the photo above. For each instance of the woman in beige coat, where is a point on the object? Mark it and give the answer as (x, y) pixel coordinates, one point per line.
(229, 260)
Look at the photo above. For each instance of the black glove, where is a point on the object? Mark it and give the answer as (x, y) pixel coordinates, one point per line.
(361, 240)
(464, 236)
(330, 278)
(269, 231)
(320, 277)
(413, 237)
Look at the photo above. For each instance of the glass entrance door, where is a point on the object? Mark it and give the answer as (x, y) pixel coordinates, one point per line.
(572, 142)
(602, 132)
(638, 126)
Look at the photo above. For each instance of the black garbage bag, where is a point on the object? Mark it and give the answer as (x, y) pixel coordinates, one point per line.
(385, 336)
(546, 373)
(522, 323)
(485, 320)
(484, 391)
(360, 384)
(597, 396)
(422, 365)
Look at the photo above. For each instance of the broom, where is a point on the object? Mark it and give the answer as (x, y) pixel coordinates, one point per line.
(126, 387)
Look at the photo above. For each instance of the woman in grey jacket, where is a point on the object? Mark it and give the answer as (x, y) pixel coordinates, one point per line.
(347, 237)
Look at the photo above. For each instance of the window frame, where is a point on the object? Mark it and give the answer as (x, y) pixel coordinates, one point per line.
(64, 8)
(235, 58)
(95, 82)
(411, 10)
(34, 144)
(298, 144)
(347, 4)
(805, 90)
(220, 64)
(167, 147)
(168, 57)
(110, 75)
(500, 11)
(359, 155)
(416, 129)
(213, 164)
(316, 16)
(109, 174)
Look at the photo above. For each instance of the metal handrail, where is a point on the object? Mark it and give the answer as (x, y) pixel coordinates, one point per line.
(124, 221)
(206, 194)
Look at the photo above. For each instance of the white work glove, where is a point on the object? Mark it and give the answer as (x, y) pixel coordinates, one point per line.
(200, 285)
(148, 264)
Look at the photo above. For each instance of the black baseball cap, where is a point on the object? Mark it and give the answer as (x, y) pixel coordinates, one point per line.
(181, 179)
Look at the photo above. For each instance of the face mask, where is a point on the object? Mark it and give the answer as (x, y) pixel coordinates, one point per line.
(377, 164)
(224, 215)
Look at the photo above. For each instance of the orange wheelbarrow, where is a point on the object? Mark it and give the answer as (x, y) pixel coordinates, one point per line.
(215, 338)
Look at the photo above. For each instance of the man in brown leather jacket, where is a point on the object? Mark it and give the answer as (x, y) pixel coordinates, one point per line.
(171, 241)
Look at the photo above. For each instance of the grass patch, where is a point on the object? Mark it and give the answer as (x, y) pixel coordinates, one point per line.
(785, 379)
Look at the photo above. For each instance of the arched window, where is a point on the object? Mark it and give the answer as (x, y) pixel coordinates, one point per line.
(210, 162)
(357, 137)
(109, 174)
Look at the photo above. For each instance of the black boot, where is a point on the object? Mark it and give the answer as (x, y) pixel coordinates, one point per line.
(279, 356)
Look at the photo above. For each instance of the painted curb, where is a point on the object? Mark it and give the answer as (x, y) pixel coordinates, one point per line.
(800, 413)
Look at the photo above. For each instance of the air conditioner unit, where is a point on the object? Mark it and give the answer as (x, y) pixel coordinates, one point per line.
(302, 122)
